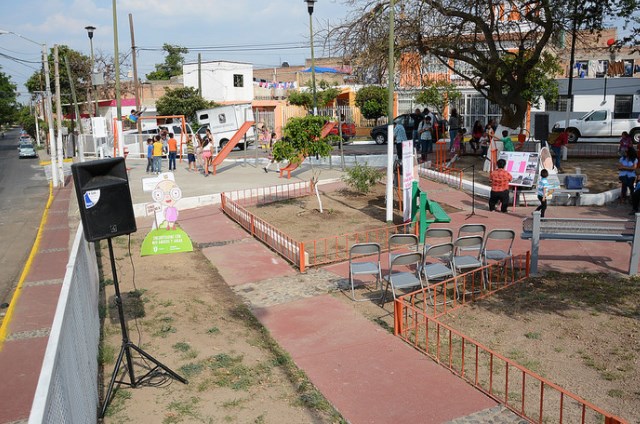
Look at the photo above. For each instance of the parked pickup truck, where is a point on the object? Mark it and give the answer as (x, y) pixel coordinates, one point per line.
(348, 131)
(599, 123)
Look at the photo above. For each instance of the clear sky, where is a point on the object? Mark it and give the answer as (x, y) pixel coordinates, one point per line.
(268, 27)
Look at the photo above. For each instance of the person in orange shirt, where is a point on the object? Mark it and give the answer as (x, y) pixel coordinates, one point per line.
(500, 180)
(173, 151)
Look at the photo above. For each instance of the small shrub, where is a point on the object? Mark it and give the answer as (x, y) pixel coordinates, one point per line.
(362, 177)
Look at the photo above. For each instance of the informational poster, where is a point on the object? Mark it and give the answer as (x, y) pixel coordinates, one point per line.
(523, 167)
(407, 178)
(165, 236)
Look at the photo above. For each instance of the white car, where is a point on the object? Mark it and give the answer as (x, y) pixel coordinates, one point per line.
(26, 149)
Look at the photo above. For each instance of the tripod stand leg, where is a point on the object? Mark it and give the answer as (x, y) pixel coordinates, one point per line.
(158, 364)
(107, 398)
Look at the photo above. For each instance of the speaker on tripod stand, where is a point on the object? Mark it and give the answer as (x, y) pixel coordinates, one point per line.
(106, 211)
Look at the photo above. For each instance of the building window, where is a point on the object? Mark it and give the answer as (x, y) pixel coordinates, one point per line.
(560, 105)
(623, 106)
(582, 69)
(603, 67)
(238, 80)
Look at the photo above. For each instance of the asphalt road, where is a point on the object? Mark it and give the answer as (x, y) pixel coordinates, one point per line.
(23, 195)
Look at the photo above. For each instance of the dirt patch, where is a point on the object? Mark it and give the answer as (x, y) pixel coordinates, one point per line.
(180, 310)
(344, 212)
(581, 331)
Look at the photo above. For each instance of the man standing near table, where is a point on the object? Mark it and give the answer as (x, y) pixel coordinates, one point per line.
(500, 180)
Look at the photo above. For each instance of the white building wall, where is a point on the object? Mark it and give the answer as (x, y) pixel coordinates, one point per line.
(218, 80)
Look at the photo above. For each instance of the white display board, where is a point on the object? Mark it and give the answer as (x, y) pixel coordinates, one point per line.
(523, 167)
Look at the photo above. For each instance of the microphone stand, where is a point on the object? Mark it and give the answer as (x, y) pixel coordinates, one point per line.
(473, 190)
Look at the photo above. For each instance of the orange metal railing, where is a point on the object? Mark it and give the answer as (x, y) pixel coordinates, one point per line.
(265, 195)
(286, 246)
(302, 254)
(524, 392)
(336, 248)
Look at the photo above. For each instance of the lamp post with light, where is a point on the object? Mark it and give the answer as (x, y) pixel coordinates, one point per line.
(90, 29)
(55, 155)
(313, 62)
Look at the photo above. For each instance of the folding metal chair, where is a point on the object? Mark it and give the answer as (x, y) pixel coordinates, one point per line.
(467, 255)
(364, 266)
(408, 242)
(472, 230)
(497, 247)
(436, 236)
(438, 266)
(400, 276)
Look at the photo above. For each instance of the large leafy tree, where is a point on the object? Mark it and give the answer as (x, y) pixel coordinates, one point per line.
(80, 66)
(372, 101)
(499, 47)
(182, 101)
(8, 103)
(172, 65)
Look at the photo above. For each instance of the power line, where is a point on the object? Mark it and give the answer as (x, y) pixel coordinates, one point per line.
(237, 47)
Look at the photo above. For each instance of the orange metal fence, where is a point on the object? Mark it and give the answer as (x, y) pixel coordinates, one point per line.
(302, 254)
(336, 248)
(286, 246)
(264, 195)
(526, 393)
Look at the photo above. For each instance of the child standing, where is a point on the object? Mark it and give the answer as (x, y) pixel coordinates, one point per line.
(191, 155)
(458, 142)
(506, 142)
(500, 180)
(484, 144)
(172, 144)
(157, 154)
(543, 192)
(149, 155)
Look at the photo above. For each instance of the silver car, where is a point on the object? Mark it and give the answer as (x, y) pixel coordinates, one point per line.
(26, 149)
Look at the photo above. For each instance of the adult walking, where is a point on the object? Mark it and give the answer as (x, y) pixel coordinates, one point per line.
(426, 137)
(399, 135)
(627, 176)
(561, 141)
(454, 126)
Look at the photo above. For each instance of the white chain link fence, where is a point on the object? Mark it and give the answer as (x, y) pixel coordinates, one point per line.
(67, 389)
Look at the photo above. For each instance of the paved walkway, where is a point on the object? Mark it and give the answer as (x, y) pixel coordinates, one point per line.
(369, 375)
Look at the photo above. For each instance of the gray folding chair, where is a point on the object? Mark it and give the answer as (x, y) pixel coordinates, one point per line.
(471, 230)
(400, 276)
(436, 236)
(438, 266)
(497, 247)
(467, 256)
(406, 242)
(364, 266)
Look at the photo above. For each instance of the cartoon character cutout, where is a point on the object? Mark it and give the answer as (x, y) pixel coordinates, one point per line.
(167, 194)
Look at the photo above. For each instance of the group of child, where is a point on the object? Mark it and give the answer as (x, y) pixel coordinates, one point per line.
(200, 151)
(480, 141)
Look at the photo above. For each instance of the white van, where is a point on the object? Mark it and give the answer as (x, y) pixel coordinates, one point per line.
(224, 122)
(135, 143)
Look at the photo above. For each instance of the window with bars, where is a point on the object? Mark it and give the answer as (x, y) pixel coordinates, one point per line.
(238, 80)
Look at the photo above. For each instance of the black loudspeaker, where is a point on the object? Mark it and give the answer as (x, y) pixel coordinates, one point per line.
(104, 199)
(541, 127)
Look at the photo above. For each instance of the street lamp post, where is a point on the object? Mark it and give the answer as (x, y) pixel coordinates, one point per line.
(55, 156)
(90, 30)
(390, 140)
(313, 61)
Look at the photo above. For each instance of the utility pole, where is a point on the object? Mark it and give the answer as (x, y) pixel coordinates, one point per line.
(200, 74)
(116, 56)
(390, 141)
(136, 87)
(59, 151)
(49, 108)
(73, 94)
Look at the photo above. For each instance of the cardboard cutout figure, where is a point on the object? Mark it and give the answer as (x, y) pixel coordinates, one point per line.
(165, 236)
